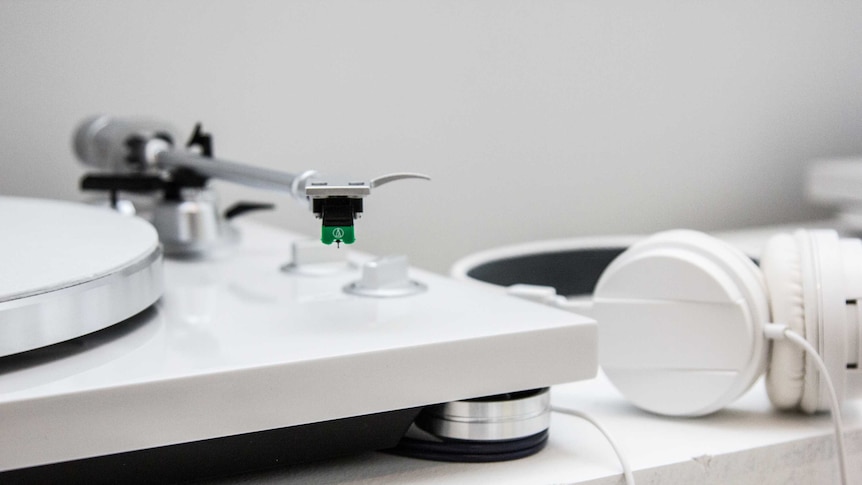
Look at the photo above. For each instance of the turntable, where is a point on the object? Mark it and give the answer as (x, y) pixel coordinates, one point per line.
(121, 365)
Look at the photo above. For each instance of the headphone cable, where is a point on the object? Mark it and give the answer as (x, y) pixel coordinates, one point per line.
(627, 469)
(780, 332)
(775, 332)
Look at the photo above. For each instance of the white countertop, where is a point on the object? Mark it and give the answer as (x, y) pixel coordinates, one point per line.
(748, 442)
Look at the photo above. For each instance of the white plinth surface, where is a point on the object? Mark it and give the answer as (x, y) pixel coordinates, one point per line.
(237, 346)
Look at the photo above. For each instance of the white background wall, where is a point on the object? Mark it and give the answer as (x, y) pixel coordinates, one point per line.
(535, 119)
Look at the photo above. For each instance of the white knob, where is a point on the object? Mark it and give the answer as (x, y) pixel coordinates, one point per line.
(311, 258)
(385, 277)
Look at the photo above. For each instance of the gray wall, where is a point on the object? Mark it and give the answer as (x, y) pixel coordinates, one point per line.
(535, 119)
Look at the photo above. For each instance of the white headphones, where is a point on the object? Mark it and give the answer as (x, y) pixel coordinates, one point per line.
(683, 317)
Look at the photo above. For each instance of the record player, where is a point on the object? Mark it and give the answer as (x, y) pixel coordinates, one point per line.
(192, 344)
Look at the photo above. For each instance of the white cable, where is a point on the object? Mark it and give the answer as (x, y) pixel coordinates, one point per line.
(627, 470)
(834, 407)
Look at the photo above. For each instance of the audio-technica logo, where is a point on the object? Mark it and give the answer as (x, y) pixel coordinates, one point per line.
(338, 233)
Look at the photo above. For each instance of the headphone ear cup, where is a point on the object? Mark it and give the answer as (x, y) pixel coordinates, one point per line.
(815, 309)
(785, 372)
(680, 319)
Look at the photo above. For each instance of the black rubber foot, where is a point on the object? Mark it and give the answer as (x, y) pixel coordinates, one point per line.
(469, 451)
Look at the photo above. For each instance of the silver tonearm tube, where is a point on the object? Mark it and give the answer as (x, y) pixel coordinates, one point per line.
(127, 146)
